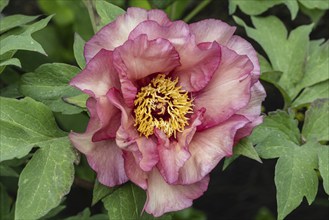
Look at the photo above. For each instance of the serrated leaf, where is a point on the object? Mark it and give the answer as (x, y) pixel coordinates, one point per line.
(107, 11)
(277, 125)
(24, 124)
(310, 94)
(265, 66)
(78, 48)
(13, 21)
(323, 154)
(100, 191)
(295, 177)
(50, 84)
(287, 54)
(316, 125)
(45, 180)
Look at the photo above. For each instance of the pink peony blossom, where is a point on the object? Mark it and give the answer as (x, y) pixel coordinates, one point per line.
(167, 102)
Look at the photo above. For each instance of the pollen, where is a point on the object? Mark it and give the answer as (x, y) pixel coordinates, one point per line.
(163, 105)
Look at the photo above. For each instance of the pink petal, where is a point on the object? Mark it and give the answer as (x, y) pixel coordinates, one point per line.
(172, 153)
(253, 109)
(177, 32)
(116, 33)
(98, 76)
(228, 91)
(141, 57)
(198, 65)
(133, 171)
(210, 30)
(247, 129)
(163, 197)
(172, 156)
(128, 138)
(208, 147)
(243, 47)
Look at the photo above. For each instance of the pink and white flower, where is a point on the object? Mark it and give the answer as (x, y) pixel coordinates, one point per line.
(167, 102)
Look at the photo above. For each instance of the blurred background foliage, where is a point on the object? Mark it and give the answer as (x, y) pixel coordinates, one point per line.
(246, 189)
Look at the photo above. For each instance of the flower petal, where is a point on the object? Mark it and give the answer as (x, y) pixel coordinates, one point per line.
(173, 154)
(247, 129)
(98, 76)
(228, 91)
(210, 30)
(163, 197)
(115, 33)
(133, 171)
(198, 65)
(208, 147)
(243, 47)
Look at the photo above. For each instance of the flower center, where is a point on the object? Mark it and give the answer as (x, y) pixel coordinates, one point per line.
(163, 105)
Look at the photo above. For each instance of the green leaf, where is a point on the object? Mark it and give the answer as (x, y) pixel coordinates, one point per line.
(277, 125)
(12, 61)
(54, 211)
(24, 41)
(79, 100)
(108, 12)
(140, 4)
(289, 57)
(7, 171)
(323, 154)
(45, 180)
(85, 215)
(244, 148)
(295, 177)
(265, 66)
(317, 121)
(63, 15)
(24, 124)
(13, 21)
(3, 4)
(309, 94)
(320, 4)
(50, 84)
(314, 14)
(78, 48)
(127, 203)
(100, 191)
(189, 214)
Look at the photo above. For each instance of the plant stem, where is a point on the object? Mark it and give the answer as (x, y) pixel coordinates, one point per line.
(90, 7)
(196, 10)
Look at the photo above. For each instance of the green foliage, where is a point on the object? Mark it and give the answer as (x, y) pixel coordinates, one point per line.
(295, 175)
(107, 12)
(24, 124)
(19, 39)
(78, 48)
(45, 180)
(100, 192)
(50, 84)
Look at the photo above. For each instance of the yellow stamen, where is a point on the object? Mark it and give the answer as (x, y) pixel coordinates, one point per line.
(163, 105)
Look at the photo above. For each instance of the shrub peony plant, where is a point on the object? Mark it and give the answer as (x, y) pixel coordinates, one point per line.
(167, 102)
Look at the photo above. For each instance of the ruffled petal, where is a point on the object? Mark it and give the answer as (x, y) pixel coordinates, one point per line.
(208, 147)
(228, 91)
(243, 47)
(247, 129)
(115, 33)
(173, 154)
(141, 57)
(210, 30)
(198, 64)
(253, 109)
(163, 197)
(176, 32)
(133, 171)
(127, 138)
(98, 76)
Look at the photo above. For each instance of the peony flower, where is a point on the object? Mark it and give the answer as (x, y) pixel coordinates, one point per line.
(167, 102)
